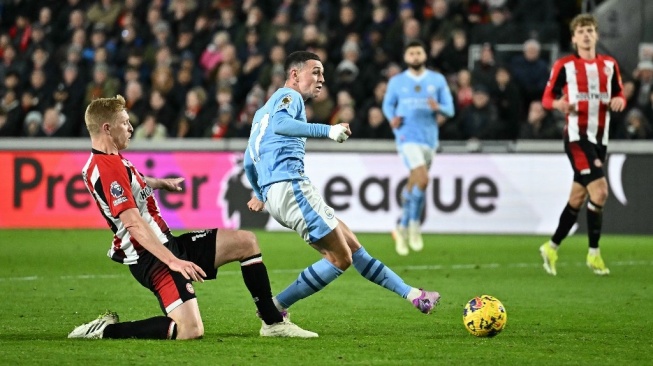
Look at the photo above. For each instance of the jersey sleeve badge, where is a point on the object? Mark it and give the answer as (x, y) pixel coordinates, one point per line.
(285, 102)
(117, 192)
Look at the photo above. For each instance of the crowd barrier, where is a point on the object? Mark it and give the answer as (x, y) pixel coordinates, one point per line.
(516, 188)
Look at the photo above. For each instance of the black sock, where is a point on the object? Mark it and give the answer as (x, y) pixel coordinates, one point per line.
(567, 220)
(257, 281)
(159, 327)
(594, 223)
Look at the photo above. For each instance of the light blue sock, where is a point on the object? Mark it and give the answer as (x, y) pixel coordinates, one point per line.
(311, 280)
(377, 272)
(417, 199)
(405, 207)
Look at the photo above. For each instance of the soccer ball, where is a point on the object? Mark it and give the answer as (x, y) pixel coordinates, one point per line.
(484, 316)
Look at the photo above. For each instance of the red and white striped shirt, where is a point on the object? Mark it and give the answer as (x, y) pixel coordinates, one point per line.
(589, 85)
(116, 186)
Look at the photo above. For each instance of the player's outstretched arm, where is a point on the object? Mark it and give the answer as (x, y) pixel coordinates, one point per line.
(168, 184)
(283, 124)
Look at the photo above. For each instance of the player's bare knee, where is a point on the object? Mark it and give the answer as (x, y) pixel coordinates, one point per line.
(190, 330)
(599, 196)
(248, 243)
(342, 261)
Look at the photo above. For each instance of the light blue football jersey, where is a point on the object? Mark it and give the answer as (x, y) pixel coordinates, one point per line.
(407, 96)
(276, 146)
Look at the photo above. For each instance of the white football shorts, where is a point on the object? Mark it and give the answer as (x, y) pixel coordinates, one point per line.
(298, 206)
(415, 155)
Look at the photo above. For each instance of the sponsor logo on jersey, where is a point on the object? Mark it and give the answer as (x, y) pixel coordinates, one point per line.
(145, 193)
(592, 96)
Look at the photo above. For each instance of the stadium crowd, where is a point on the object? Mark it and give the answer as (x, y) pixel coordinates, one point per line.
(201, 68)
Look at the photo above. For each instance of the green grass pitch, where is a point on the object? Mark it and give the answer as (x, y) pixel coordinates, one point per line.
(54, 280)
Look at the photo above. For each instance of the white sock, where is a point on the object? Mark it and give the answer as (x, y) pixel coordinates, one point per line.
(413, 294)
(553, 245)
(276, 303)
(594, 251)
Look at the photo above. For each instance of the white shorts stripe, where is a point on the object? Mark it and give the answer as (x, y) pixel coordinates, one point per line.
(173, 306)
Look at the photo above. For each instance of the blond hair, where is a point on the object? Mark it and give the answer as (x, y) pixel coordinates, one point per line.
(582, 20)
(103, 110)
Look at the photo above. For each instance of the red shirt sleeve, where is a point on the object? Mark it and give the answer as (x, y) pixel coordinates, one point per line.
(555, 86)
(116, 186)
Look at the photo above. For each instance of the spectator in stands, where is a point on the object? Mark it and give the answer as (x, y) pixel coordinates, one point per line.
(194, 119)
(68, 94)
(507, 98)
(39, 89)
(638, 127)
(500, 30)
(375, 100)
(10, 62)
(395, 36)
(322, 106)
(479, 121)
(181, 14)
(530, 72)
(11, 81)
(38, 40)
(456, 53)
(539, 124)
(63, 25)
(373, 126)
(33, 122)
(163, 112)
(440, 23)
(485, 68)
(347, 24)
(221, 127)
(12, 118)
(54, 124)
(462, 91)
(436, 60)
(150, 129)
(536, 19)
(20, 32)
(618, 118)
(135, 100)
(643, 75)
(45, 22)
(105, 12)
(276, 57)
(102, 85)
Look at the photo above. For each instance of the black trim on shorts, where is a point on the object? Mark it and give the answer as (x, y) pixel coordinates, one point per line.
(197, 247)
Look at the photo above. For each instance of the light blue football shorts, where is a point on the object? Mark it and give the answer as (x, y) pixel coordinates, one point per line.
(414, 155)
(298, 206)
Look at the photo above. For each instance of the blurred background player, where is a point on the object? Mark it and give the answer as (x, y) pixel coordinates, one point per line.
(416, 103)
(161, 262)
(274, 163)
(585, 87)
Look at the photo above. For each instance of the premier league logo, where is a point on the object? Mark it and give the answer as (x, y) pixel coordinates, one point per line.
(116, 190)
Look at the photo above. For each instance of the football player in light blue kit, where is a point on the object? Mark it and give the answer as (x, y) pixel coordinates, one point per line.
(412, 102)
(274, 164)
